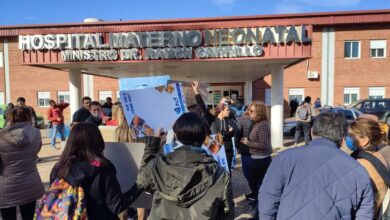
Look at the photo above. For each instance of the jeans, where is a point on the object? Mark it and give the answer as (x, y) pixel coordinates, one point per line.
(305, 127)
(60, 128)
(26, 211)
(246, 160)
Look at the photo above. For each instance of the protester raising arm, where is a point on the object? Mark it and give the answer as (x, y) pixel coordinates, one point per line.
(152, 148)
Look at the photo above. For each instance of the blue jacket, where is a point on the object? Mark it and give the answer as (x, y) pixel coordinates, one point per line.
(316, 181)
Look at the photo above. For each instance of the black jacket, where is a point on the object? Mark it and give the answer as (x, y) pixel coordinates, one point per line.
(187, 184)
(222, 126)
(103, 193)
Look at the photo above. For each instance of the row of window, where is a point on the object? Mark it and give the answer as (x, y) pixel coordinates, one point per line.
(64, 96)
(377, 49)
(351, 94)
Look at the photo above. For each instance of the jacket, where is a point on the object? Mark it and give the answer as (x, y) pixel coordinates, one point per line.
(53, 113)
(20, 182)
(222, 126)
(379, 186)
(187, 184)
(309, 113)
(103, 193)
(316, 181)
(245, 125)
(259, 140)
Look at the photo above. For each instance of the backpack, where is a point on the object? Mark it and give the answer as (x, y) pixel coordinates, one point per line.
(303, 112)
(62, 201)
(384, 212)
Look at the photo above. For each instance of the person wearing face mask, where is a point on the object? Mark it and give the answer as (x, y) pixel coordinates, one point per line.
(97, 116)
(368, 142)
(225, 127)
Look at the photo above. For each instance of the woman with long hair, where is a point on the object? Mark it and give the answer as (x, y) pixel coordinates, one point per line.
(83, 163)
(20, 182)
(225, 127)
(259, 143)
(124, 133)
(368, 137)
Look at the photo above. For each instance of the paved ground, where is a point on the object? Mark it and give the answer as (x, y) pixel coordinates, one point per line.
(50, 156)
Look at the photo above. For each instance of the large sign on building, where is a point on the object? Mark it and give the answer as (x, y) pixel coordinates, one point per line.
(164, 45)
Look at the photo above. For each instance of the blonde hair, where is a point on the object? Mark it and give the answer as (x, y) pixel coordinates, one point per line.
(123, 132)
(261, 111)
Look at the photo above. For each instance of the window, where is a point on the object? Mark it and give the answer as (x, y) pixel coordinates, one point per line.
(352, 49)
(351, 95)
(2, 100)
(376, 92)
(378, 48)
(63, 96)
(43, 99)
(118, 96)
(296, 93)
(103, 95)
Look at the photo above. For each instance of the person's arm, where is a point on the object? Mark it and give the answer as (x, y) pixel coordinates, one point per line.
(63, 105)
(263, 136)
(144, 178)
(271, 191)
(366, 207)
(115, 200)
(50, 116)
(214, 127)
(34, 117)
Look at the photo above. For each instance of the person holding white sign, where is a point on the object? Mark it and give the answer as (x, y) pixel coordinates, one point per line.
(186, 183)
(225, 127)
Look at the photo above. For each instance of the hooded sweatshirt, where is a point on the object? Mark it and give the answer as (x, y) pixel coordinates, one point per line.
(103, 193)
(20, 182)
(187, 184)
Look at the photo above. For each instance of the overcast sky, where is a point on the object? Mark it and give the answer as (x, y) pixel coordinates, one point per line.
(69, 11)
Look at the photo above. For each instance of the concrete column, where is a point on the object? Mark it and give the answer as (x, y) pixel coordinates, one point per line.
(248, 92)
(7, 73)
(277, 105)
(327, 66)
(88, 85)
(75, 90)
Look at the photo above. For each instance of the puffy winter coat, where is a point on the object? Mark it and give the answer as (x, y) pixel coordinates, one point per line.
(187, 184)
(316, 181)
(20, 182)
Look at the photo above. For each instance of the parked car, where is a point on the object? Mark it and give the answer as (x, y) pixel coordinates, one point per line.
(2, 120)
(378, 107)
(351, 114)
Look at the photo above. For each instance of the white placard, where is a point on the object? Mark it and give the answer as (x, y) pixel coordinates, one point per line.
(149, 109)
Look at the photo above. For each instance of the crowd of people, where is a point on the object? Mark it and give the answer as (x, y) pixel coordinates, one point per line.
(341, 172)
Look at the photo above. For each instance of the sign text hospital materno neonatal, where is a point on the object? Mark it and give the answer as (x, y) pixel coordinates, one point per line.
(186, 44)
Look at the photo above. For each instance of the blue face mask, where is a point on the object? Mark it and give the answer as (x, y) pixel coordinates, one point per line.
(349, 142)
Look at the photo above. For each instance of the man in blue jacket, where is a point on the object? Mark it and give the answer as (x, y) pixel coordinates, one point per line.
(317, 181)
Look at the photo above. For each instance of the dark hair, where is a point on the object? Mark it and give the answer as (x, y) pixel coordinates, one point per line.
(52, 102)
(369, 128)
(195, 108)
(21, 99)
(109, 98)
(190, 129)
(307, 99)
(86, 98)
(95, 103)
(332, 126)
(19, 114)
(85, 144)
